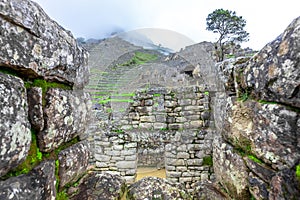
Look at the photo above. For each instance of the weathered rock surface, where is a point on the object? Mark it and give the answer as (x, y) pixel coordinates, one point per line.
(96, 186)
(15, 135)
(73, 163)
(270, 131)
(274, 73)
(156, 188)
(36, 185)
(37, 46)
(230, 170)
(35, 107)
(209, 191)
(67, 117)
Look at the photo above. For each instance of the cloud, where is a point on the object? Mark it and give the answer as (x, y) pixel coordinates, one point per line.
(97, 18)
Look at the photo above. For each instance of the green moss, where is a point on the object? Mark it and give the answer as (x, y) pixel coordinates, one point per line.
(298, 172)
(156, 95)
(206, 93)
(254, 158)
(207, 160)
(62, 196)
(45, 85)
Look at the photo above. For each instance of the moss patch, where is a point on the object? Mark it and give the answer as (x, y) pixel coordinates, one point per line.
(207, 160)
(45, 85)
(298, 172)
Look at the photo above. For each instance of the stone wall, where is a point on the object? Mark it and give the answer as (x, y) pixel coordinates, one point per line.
(163, 127)
(44, 112)
(257, 118)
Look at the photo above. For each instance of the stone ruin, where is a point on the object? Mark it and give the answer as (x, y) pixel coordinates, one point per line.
(222, 131)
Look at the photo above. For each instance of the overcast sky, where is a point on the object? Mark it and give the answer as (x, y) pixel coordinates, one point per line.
(266, 19)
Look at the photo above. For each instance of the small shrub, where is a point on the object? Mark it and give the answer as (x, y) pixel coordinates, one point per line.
(298, 172)
(254, 158)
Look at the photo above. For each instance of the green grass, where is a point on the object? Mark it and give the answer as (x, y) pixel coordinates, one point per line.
(206, 93)
(140, 58)
(298, 172)
(254, 158)
(156, 95)
(207, 160)
(115, 100)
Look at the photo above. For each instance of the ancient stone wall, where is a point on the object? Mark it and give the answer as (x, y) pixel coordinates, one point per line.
(162, 127)
(44, 112)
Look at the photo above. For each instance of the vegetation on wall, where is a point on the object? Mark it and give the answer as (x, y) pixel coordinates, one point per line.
(140, 58)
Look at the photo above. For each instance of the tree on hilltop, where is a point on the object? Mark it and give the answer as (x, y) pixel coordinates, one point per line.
(229, 26)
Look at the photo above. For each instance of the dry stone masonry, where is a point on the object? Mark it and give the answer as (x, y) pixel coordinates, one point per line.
(164, 128)
(224, 131)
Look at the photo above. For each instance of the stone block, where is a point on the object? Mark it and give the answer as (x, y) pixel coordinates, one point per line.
(196, 124)
(183, 155)
(67, 114)
(148, 102)
(150, 119)
(130, 145)
(126, 164)
(73, 163)
(194, 162)
(180, 119)
(37, 184)
(15, 134)
(145, 125)
(192, 108)
(158, 126)
(160, 118)
(185, 102)
(170, 104)
(172, 174)
(24, 33)
(175, 126)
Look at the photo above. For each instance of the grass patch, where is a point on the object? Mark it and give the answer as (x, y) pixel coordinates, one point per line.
(115, 100)
(156, 95)
(243, 97)
(254, 158)
(124, 95)
(207, 160)
(140, 58)
(45, 85)
(62, 195)
(206, 93)
(298, 172)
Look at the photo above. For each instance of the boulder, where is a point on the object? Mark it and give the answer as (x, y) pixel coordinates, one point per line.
(270, 131)
(230, 170)
(209, 191)
(273, 74)
(67, 114)
(156, 188)
(15, 135)
(95, 186)
(37, 46)
(36, 185)
(73, 163)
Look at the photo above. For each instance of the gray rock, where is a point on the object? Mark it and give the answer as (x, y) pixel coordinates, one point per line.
(156, 188)
(230, 170)
(67, 114)
(274, 73)
(73, 163)
(96, 186)
(38, 184)
(209, 191)
(15, 135)
(35, 105)
(37, 46)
